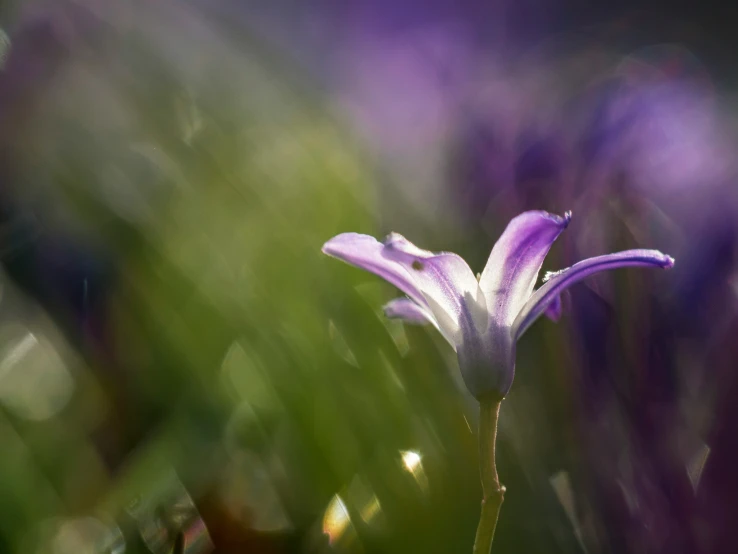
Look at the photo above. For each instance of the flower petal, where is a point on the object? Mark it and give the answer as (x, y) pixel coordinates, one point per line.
(554, 309)
(408, 311)
(365, 252)
(560, 280)
(412, 313)
(448, 285)
(512, 269)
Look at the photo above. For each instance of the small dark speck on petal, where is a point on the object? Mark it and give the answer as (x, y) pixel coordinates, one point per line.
(417, 265)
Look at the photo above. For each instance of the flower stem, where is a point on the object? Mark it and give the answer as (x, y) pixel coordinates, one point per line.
(493, 492)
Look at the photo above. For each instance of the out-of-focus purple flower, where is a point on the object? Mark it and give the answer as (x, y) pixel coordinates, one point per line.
(403, 90)
(483, 317)
(657, 124)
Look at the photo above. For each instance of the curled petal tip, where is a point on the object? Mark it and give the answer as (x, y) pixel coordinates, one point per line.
(662, 260)
(561, 220)
(327, 247)
(397, 242)
(392, 238)
(343, 245)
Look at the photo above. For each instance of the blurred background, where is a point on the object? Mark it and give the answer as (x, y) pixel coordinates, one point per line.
(182, 370)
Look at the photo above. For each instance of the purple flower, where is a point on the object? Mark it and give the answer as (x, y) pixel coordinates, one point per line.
(482, 317)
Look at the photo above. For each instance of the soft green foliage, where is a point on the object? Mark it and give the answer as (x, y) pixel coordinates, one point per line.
(233, 351)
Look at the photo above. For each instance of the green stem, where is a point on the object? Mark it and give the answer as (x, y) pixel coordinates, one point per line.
(493, 492)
